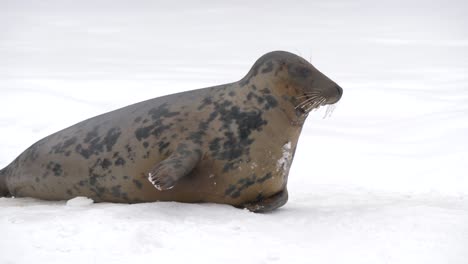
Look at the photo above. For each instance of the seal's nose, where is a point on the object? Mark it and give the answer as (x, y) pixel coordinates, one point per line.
(340, 92)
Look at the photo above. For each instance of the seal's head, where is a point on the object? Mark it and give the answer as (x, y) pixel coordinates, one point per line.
(295, 80)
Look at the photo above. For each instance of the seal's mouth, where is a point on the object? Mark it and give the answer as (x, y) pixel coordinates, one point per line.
(314, 100)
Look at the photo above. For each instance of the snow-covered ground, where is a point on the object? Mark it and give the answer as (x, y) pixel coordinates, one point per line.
(384, 180)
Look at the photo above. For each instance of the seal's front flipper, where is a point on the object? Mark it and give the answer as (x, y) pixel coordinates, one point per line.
(166, 173)
(269, 203)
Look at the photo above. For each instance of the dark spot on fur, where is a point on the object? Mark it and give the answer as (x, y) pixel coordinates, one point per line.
(99, 191)
(99, 170)
(161, 112)
(282, 65)
(145, 144)
(260, 100)
(264, 178)
(230, 189)
(91, 135)
(203, 126)
(143, 132)
(138, 184)
(116, 192)
(268, 68)
(271, 102)
(160, 117)
(246, 182)
(119, 162)
(105, 164)
(234, 191)
(265, 90)
(259, 197)
(138, 119)
(266, 98)
(55, 168)
(196, 137)
(130, 153)
(111, 138)
(235, 143)
(231, 146)
(232, 93)
(62, 147)
(236, 194)
(163, 145)
(69, 192)
(215, 145)
(94, 145)
(205, 102)
(93, 179)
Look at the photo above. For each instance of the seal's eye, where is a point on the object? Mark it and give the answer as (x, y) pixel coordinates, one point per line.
(302, 72)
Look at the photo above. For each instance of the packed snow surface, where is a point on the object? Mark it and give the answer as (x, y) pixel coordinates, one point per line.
(383, 180)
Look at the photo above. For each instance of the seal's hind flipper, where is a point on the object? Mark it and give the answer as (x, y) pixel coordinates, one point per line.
(166, 173)
(269, 203)
(3, 187)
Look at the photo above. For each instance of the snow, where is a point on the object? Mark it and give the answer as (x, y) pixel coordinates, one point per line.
(384, 180)
(80, 201)
(326, 225)
(283, 163)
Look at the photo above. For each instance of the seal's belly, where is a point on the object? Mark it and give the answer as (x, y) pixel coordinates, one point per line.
(70, 178)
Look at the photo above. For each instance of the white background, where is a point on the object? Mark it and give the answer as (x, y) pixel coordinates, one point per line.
(384, 180)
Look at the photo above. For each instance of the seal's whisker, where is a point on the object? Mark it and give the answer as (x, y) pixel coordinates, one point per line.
(308, 105)
(329, 111)
(332, 109)
(317, 104)
(306, 101)
(312, 106)
(309, 93)
(321, 102)
(302, 103)
(312, 102)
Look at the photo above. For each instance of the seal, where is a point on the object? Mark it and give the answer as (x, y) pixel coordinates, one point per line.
(230, 144)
